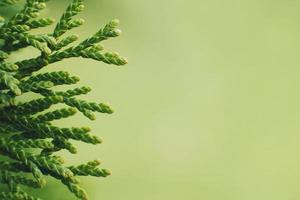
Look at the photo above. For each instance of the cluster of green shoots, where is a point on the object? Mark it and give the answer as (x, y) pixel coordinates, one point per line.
(28, 138)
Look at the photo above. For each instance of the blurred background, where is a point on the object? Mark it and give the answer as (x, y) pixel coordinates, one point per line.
(207, 108)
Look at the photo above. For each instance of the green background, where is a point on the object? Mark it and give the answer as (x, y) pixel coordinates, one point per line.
(207, 108)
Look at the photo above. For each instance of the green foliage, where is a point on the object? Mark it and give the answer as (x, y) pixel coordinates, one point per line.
(28, 138)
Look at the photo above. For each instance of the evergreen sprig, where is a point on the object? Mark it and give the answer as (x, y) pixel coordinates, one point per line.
(28, 138)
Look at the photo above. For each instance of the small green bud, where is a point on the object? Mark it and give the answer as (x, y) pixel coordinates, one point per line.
(34, 14)
(73, 150)
(79, 21)
(40, 6)
(14, 67)
(106, 108)
(86, 129)
(47, 84)
(118, 32)
(16, 90)
(74, 37)
(50, 20)
(115, 22)
(98, 140)
(89, 114)
(98, 47)
(42, 182)
(80, 8)
(107, 172)
(76, 78)
(59, 159)
(94, 163)
(125, 61)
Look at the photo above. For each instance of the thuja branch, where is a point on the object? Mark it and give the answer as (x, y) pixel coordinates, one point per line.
(27, 126)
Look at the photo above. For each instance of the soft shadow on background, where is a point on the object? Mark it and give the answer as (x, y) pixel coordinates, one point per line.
(208, 107)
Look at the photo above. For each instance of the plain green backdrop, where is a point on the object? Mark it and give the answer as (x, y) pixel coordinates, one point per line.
(207, 108)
